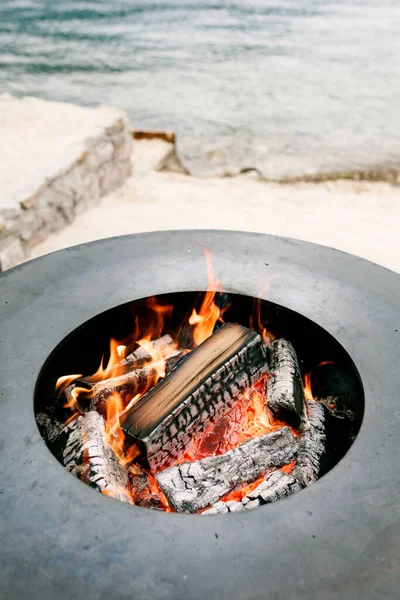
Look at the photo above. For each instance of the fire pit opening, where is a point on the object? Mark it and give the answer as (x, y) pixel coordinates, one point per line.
(204, 403)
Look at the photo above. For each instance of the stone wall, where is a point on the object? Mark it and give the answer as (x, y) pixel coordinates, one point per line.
(103, 165)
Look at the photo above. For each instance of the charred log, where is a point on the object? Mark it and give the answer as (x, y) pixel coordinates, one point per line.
(82, 449)
(276, 485)
(311, 445)
(205, 387)
(190, 487)
(285, 396)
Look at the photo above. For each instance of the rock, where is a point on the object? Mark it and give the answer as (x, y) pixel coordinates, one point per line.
(172, 162)
(11, 253)
(58, 159)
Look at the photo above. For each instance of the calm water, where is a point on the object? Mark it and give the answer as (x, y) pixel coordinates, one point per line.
(289, 86)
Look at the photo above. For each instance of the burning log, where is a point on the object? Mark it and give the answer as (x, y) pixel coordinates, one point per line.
(311, 445)
(285, 396)
(131, 383)
(130, 376)
(86, 454)
(207, 384)
(190, 487)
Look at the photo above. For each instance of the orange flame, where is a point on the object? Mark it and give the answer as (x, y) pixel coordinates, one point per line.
(71, 418)
(64, 381)
(307, 387)
(204, 321)
(308, 394)
(114, 433)
(157, 359)
(257, 324)
(121, 350)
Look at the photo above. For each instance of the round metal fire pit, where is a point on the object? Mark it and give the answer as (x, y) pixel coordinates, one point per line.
(336, 539)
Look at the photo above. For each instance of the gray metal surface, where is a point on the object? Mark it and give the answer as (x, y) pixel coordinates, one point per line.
(337, 539)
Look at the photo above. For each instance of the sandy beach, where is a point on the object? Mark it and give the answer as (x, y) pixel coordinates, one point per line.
(358, 217)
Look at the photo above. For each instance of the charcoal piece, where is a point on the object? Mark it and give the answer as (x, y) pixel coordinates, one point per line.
(83, 450)
(336, 408)
(143, 489)
(285, 396)
(311, 445)
(211, 379)
(331, 379)
(276, 485)
(190, 487)
(49, 427)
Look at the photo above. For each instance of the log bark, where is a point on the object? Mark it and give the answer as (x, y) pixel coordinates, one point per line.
(211, 379)
(83, 450)
(190, 487)
(311, 445)
(285, 396)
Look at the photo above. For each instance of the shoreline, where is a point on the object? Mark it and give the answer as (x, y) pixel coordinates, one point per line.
(172, 162)
(69, 175)
(358, 217)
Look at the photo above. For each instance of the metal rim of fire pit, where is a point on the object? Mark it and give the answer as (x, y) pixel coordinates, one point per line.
(336, 539)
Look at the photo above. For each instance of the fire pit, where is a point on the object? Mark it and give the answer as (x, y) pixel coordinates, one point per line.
(210, 399)
(194, 411)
